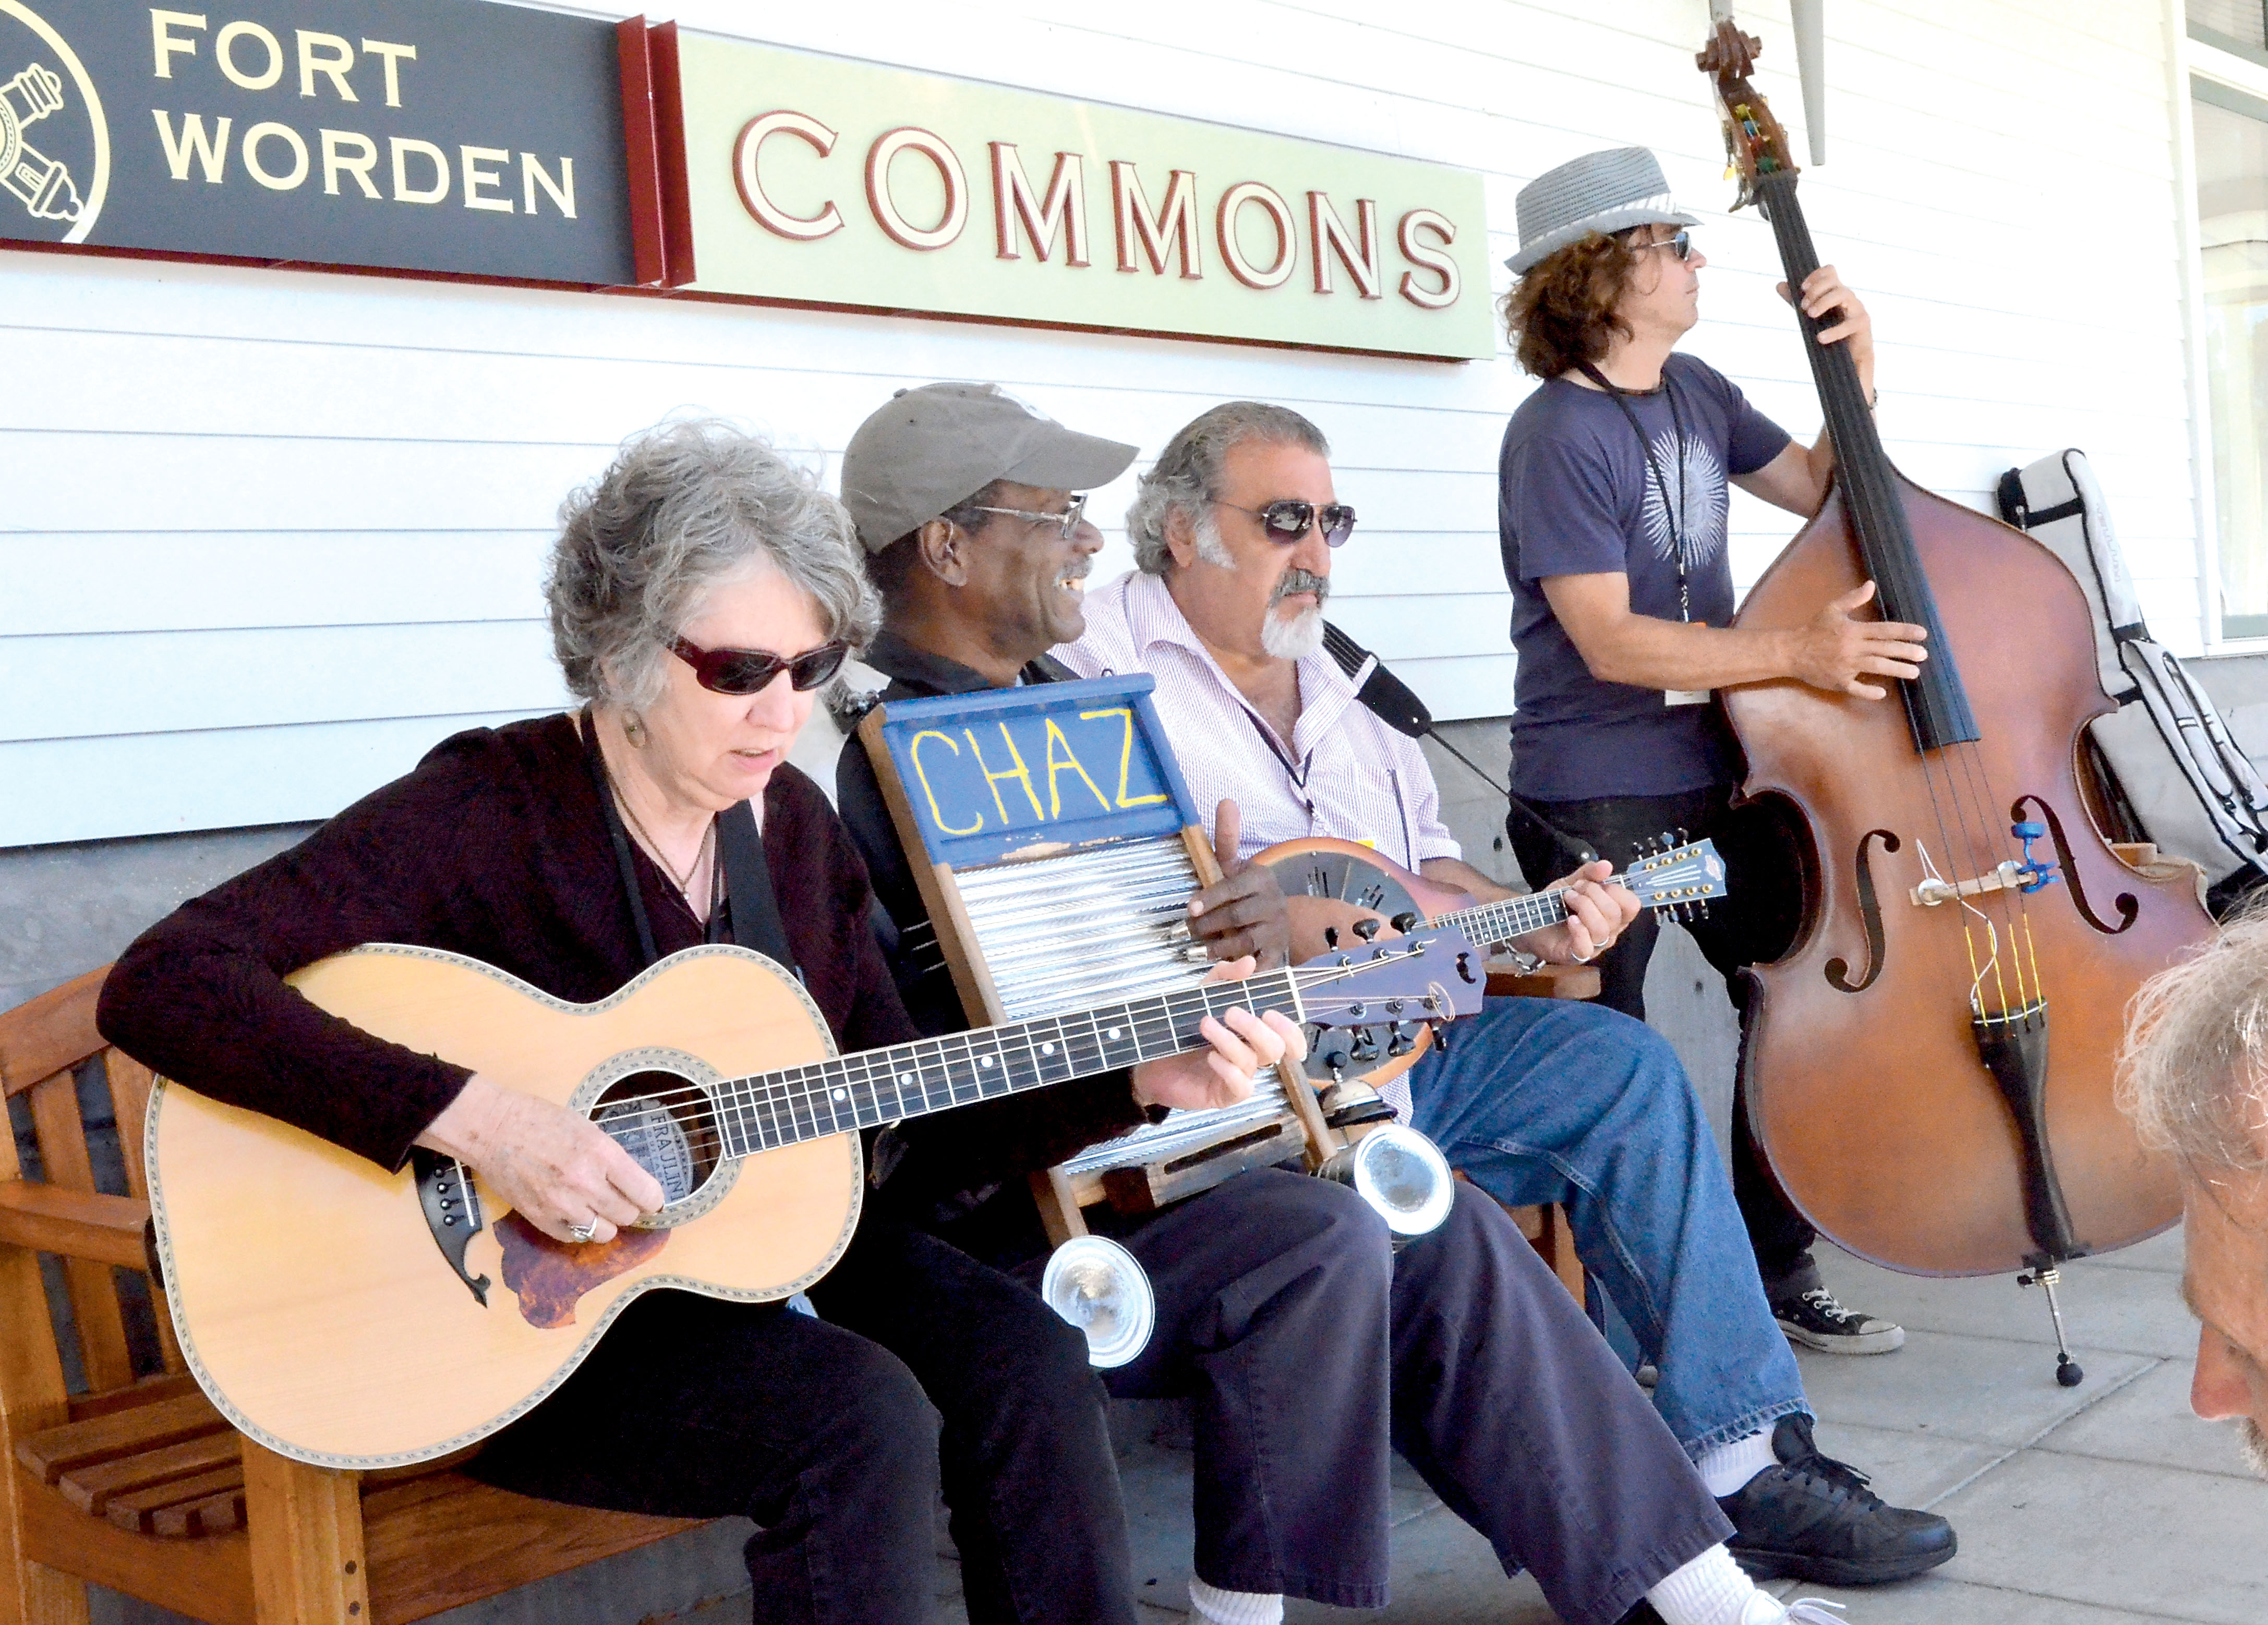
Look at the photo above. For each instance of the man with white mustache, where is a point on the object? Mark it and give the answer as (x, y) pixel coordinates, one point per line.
(1535, 1100)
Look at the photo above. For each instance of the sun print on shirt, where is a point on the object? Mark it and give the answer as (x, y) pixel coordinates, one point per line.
(1698, 485)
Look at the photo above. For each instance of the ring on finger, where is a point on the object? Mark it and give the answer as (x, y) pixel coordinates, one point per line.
(585, 1231)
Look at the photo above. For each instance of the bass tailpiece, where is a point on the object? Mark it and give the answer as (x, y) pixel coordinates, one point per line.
(2013, 1045)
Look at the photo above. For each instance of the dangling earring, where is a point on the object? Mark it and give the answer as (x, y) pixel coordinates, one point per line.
(634, 730)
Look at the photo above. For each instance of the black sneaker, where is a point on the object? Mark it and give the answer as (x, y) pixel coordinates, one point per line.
(1814, 1320)
(1814, 1519)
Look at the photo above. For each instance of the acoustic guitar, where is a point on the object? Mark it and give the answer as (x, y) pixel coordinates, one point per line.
(1677, 879)
(350, 1317)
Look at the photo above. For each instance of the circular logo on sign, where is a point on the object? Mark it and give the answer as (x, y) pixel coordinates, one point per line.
(55, 144)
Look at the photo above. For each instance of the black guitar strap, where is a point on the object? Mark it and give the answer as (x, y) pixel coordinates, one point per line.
(748, 887)
(754, 912)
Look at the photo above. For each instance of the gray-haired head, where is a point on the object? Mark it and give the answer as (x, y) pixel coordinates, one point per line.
(2193, 1071)
(1187, 476)
(690, 506)
(1604, 192)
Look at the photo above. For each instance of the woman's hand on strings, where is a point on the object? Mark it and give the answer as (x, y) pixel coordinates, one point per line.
(1241, 1044)
(554, 1167)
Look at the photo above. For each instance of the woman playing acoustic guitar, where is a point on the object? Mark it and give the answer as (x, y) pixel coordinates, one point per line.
(698, 551)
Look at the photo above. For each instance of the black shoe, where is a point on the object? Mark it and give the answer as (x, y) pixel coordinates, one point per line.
(1642, 1615)
(1814, 1320)
(1814, 1519)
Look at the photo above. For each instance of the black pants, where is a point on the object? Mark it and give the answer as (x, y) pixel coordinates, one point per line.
(1754, 923)
(834, 1436)
(1311, 1349)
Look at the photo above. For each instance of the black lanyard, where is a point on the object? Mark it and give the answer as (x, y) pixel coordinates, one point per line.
(751, 907)
(1674, 513)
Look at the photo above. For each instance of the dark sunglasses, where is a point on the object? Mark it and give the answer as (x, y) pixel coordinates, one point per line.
(1287, 521)
(751, 671)
(1680, 244)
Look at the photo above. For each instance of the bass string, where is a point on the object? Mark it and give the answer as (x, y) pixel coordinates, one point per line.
(1870, 495)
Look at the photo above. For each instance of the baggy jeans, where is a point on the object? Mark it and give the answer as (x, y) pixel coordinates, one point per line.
(1546, 1100)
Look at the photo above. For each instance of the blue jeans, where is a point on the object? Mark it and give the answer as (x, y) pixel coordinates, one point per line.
(1541, 1100)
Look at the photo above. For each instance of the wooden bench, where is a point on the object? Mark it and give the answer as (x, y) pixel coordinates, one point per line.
(138, 1484)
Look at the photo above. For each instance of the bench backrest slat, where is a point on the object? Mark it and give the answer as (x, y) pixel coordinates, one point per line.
(101, 1326)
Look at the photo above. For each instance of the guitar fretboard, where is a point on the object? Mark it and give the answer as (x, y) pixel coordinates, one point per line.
(876, 1086)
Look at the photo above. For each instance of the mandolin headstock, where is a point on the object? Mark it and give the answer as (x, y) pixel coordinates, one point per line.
(1755, 145)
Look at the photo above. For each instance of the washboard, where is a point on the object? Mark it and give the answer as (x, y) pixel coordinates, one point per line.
(1056, 847)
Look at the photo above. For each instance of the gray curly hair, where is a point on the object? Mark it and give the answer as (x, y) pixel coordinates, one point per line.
(2193, 1070)
(688, 506)
(1187, 475)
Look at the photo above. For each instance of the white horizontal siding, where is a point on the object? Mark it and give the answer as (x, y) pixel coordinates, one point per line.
(266, 535)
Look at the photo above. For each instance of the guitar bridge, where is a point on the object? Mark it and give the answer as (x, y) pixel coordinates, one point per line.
(453, 1212)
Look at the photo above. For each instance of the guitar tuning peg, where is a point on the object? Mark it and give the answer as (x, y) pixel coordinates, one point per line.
(1406, 922)
(1330, 936)
(1681, 836)
(1366, 928)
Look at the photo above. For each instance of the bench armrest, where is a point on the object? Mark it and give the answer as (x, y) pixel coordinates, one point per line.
(77, 1224)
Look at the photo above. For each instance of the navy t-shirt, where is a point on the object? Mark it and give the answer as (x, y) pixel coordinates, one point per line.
(1575, 497)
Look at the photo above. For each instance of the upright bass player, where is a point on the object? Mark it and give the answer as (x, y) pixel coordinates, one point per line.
(1612, 504)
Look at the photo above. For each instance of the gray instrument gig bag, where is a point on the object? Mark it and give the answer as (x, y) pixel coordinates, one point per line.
(2187, 785)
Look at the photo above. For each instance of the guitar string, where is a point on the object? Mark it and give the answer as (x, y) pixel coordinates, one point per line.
(1160, 1021)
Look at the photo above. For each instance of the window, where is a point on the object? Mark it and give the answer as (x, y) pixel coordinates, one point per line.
(2240, 26)
(2231, 183)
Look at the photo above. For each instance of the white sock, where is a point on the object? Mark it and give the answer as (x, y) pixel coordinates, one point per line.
(1728, 1466)
(1220, 1607)
(1709, 1591)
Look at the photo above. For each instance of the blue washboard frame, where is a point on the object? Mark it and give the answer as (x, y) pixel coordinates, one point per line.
(1042, 768)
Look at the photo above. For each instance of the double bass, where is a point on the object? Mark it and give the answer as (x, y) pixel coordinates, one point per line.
(1928, 1070)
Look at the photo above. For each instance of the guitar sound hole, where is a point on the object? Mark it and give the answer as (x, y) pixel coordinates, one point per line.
(666, 1123)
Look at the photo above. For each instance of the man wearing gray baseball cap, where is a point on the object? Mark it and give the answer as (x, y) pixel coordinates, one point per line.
(1611, 512)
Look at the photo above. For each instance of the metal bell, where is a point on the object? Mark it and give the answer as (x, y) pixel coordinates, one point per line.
(1101, 1289)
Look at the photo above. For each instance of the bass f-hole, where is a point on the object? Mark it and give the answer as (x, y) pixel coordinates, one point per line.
(2125, 903)
(1838, 971)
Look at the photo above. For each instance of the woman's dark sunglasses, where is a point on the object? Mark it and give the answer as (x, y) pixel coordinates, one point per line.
(751, 671)
(1287, 521)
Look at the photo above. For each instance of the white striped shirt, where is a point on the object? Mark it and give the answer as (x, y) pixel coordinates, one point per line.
(1343, 772)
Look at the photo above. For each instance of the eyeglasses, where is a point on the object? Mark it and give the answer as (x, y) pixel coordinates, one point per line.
(1068, 518)
(751, 671)
(1287, 521)
(1680, 244)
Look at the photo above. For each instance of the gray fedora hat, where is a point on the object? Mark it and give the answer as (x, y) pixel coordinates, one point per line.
(931, 447)
(1605, 191)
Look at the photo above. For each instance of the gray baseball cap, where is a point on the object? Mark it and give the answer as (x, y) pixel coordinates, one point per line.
(1605, 191)
(934, 447)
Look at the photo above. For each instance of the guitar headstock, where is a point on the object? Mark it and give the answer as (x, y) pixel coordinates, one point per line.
(1432, 974)
(1675, 879)
(1755, 145)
